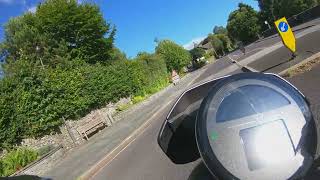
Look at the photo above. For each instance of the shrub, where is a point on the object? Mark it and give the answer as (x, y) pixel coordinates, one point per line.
(208, 55)
(197, 53)
(15, 160)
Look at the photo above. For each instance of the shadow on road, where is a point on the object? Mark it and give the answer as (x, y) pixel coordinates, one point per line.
(265, 70)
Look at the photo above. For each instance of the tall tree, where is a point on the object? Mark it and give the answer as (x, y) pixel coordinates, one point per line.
(227, 43)
(221, 33)
(175, 56)
(60, 26)
(243, 23)
(81, 26)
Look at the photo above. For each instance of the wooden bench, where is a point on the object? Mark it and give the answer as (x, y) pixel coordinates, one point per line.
(91, 126)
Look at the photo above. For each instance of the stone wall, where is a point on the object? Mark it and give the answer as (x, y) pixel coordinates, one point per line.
(63, 141)
(64, 137)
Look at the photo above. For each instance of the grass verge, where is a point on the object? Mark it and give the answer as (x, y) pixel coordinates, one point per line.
(305, 67)
(139, 98)
(16, 160)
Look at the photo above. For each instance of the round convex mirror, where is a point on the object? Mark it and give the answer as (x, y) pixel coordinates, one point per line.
(256, 126)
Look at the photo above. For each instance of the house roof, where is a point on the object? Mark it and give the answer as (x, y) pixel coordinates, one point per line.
(205, 44)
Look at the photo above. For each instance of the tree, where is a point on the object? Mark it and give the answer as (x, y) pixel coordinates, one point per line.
(272, 10)
(243, 24)
(197, 53)
(175, 56)
(81, 25)
(78, 31)
(227, 43)
(217, 44)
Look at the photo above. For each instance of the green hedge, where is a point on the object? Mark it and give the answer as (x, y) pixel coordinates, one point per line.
(15, 160)
(33, 100)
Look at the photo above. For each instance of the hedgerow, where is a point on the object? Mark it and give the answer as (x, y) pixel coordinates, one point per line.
(33, 100)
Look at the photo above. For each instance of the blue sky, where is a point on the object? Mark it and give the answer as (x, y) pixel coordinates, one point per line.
(139, 22)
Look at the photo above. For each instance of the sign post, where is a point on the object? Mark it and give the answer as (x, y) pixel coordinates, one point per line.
(286, 34)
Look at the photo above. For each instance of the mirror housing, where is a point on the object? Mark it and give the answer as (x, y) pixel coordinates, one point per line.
(177, 134)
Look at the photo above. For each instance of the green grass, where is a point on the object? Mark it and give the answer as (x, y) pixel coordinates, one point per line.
(16, 160)
(143, 96)
(302, 68)
(137, 99)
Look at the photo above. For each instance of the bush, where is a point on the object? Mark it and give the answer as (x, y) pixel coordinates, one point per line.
(208, 55)
(197, 53)
(154, 73)
(200, 63)
(15, 160)
(33, 100)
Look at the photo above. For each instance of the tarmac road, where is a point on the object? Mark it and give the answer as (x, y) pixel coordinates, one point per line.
(144, 160)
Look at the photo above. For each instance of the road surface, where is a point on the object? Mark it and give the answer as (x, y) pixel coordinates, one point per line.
(143, 159)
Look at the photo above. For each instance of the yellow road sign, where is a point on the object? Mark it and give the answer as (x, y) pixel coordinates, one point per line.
(286, 34)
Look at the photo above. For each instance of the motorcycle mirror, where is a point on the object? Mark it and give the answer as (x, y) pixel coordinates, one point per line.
(256, 126)
(177, 134)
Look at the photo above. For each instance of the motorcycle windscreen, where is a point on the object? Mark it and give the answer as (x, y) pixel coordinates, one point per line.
(177, 134)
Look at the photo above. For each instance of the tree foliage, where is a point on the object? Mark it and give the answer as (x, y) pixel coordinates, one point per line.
(56, 65)
(33, 101)
(59, 29)
(175, 56)
(243, 24)
(197, 53)
(272, 10)
(221, 43)
(217, 44)
(117, 55)
(220, 30)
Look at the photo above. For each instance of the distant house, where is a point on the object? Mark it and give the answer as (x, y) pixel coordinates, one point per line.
(206, 45)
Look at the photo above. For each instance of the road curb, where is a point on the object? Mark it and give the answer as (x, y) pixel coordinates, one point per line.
(284, 72)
